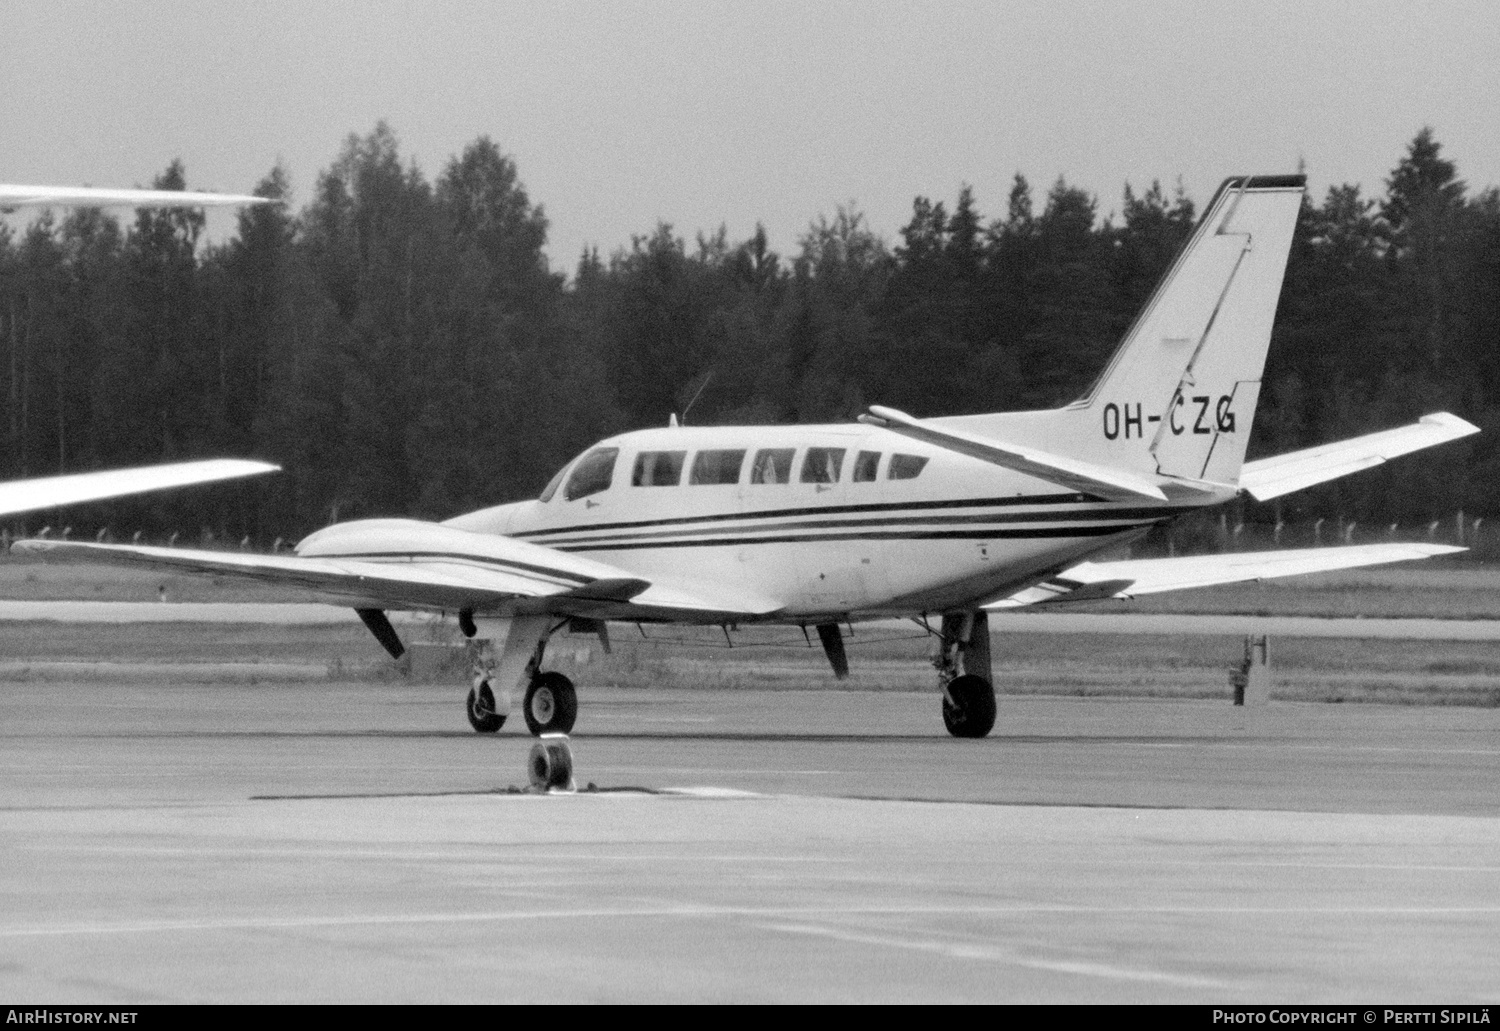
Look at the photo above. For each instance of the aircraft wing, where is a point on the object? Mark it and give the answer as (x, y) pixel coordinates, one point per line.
(498, 576)
(1092, 581)
(13, 195)
(49, 491)
(1085, 477)
(1268, 478)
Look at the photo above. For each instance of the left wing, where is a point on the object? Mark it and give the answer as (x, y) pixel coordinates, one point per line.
(1091, 581)
(408, 565)
(50, 491)
(13, 195)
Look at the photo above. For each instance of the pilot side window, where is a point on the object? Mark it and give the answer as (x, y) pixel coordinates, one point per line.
(658, 469)
(866, 463)
(772, 465)
(592, 474)
(717, 467)
(906, 467)
(822, 464)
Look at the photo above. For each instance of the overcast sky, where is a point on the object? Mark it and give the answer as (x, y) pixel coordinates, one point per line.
(696, 113)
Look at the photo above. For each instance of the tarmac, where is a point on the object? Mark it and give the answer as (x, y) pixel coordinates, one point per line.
(340, 842)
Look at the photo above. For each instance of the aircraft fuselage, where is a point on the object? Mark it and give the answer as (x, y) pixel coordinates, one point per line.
(847, 521)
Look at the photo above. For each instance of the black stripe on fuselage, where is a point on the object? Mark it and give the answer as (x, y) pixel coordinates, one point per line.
(782, 513)
(508, 565)
(1127, 517)
(1049, 533)
(1102, 512)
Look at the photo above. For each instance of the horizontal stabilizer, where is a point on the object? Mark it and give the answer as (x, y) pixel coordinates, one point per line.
(16, 196)
(1084, 477)
(1131, 578)
(1268, 478)
(50, 491)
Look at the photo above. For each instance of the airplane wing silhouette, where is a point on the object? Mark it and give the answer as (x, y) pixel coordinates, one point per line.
(447, 570)
(1130, 578)
(13, 195)
(18, 496)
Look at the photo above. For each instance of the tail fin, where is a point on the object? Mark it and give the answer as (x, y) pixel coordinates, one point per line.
(1179, 394)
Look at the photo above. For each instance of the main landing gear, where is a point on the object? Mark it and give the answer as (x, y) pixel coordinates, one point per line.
(965, 675)
(505, 654)
(551, 705)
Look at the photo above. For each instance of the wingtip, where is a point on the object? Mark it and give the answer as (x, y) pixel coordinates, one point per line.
(1459, 427)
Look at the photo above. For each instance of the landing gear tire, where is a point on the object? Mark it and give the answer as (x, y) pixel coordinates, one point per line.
(971, 713)
(551, 705)
(550, 766)
(482, 714)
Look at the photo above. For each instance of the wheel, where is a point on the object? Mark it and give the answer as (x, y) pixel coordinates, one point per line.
(972, 711)
(482, 714)
(551, 764)
(551, 704)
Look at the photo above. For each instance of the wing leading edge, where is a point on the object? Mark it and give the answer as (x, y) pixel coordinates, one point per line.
(1130, 578)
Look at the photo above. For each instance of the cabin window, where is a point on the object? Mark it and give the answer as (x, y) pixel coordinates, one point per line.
(592, 474)
(822, 464)
(906, 467)
(552, 485)
(658, 469)
(717, 466)
(772, 465)
(865, 466)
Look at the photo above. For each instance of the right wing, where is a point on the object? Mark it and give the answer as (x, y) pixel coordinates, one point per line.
(13, 195)
(423, 566)
(50, 491)
(1267, 478)
(1130, 578)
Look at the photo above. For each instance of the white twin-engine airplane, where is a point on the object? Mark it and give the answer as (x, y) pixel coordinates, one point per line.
(939, 520)
(18, 496)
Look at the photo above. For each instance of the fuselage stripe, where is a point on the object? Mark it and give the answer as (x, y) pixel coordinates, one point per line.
(783, 513)
(506, 565)
(916, 535)
(757, 522)
(934, 527)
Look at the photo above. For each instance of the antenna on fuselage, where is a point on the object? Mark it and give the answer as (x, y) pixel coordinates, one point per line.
(696, 394)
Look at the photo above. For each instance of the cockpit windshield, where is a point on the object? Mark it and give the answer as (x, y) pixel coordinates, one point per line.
(592, 474)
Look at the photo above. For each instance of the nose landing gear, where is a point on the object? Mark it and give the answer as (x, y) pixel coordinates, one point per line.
(481, 707)
(964, 673)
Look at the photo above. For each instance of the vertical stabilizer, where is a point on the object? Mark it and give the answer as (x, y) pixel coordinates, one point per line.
(1179, 394)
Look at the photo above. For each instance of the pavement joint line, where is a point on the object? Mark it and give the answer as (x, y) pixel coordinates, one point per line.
(989, 953)
(753, 912)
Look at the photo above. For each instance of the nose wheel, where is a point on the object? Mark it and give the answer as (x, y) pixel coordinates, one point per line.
(482, 714)
(551, 705)
(969, 706)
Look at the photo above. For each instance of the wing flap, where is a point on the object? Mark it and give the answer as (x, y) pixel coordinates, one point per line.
(1130, 578)
(1085, 477)
(1267, 478)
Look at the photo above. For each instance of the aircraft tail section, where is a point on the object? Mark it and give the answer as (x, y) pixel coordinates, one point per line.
(1180, 391)
(1178, 396)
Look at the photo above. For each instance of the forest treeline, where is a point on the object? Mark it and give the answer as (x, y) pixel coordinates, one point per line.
(401, 345)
